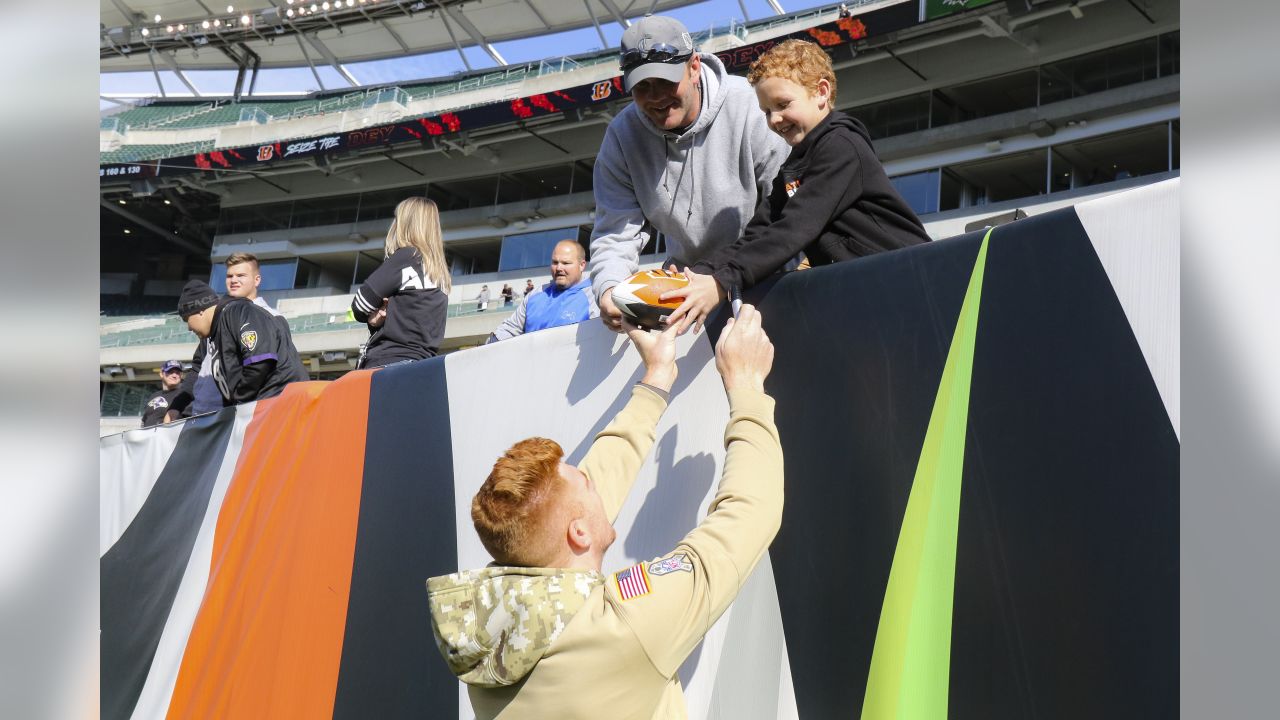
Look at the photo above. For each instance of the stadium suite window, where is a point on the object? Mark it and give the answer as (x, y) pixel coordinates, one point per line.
(1102, 70)
(920, 190)
(532, 250)
(276, 275)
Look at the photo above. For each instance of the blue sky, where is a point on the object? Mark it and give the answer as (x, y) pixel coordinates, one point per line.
(698, 16)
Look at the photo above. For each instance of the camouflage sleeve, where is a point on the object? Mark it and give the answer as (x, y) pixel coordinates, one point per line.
(671, 602)
(619, 450)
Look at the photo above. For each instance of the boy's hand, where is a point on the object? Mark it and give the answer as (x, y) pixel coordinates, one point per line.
(658, 351)
(701, 296)
(744, 354)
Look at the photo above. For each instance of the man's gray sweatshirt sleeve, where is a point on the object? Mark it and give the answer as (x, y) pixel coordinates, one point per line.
(616, 239)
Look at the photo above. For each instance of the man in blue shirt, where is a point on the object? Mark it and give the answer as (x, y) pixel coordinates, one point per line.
(565, 300)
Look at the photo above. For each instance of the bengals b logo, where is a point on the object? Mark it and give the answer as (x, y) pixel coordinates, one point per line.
(601, 90)
(264, 152)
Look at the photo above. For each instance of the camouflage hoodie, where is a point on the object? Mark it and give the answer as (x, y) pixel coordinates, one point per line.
(494, 624)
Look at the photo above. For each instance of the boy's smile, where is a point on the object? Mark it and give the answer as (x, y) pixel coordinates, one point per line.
(789, 109)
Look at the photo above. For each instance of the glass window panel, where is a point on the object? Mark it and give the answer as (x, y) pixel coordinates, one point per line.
(1116, 156)
(894, 117)
(1098, 71)
(530, 250)
(276, 275)
(1007, 177)
(920, 190)
(1170, 47)
(983, 98)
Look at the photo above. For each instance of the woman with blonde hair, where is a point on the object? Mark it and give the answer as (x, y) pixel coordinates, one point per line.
(404, 301)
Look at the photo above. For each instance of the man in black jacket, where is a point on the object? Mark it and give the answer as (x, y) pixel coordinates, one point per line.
(252, 356)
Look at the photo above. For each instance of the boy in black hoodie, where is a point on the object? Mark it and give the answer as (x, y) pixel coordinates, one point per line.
(831, 199)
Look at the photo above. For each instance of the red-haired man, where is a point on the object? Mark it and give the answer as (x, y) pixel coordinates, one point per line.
(542, 632)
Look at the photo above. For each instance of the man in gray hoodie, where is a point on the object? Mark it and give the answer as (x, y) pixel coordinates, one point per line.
(689, 158)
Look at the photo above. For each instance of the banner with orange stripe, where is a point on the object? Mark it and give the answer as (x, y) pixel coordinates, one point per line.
(981, 518)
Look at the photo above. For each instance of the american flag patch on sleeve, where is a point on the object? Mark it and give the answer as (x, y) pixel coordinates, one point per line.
(632, 582)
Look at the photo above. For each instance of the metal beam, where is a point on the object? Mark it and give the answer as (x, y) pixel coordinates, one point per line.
(172, 237)
(173, 66)
(476, 36)
(302, 46)
(536, 12)
(604, 42)
(327, 54)
(129, 13)
(394, 35)
(613, 10)
(444, 18)
(777, 7)
(151, 55)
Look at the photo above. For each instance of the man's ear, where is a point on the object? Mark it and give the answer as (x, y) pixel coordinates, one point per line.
(578, 535)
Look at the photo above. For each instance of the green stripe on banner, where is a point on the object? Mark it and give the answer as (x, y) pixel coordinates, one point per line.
(911, 661)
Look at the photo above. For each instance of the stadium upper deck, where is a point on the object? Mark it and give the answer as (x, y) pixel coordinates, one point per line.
(278, 34)
(974, 113)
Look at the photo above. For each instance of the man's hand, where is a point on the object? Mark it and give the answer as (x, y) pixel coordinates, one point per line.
(610, 315)
(379, 316)
(744, 354)
(701, 296)
(658, 351)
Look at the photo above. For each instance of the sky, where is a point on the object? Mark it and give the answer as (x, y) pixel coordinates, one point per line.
(697, 17)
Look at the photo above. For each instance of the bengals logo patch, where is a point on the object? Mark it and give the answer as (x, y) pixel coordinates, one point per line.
(792, 187)
(249, 339)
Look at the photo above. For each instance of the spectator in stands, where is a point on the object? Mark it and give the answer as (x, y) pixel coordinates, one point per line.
(688, 158)
(244, 275)
(541, 632)
(405, 301)
(508, 295)
(482, 300)
(832, 199)
(528, 287)
(160, 406)
(249, 356)
(563, 301)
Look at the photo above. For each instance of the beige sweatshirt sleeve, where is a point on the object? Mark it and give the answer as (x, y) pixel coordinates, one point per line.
(678, 597)
(618, 451)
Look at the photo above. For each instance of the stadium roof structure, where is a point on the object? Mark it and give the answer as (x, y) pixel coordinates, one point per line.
(180, 35)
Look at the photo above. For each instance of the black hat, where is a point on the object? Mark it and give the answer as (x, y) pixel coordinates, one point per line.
(169, 366)
(196, 297)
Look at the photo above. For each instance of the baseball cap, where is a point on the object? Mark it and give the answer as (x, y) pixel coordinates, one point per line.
(196, 296)
(169, 366)
(654, 47)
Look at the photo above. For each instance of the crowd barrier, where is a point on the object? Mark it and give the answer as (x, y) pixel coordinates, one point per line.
(981, 438)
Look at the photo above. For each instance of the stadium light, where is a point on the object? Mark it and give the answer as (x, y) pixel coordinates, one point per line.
(157, 17)
(181, 27)
(230, 9)
(217, 22)
(289, 12)
(122, 202)
(168, 28)
(244, 19)
(205, 24)
(325, 5)
(145, 32)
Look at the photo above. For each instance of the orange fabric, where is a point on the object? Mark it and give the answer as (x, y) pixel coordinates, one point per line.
(267, 641)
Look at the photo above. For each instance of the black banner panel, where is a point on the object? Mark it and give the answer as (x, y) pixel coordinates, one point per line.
(1066, 553)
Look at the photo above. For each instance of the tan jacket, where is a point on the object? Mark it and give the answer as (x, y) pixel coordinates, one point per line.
(558, 643)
